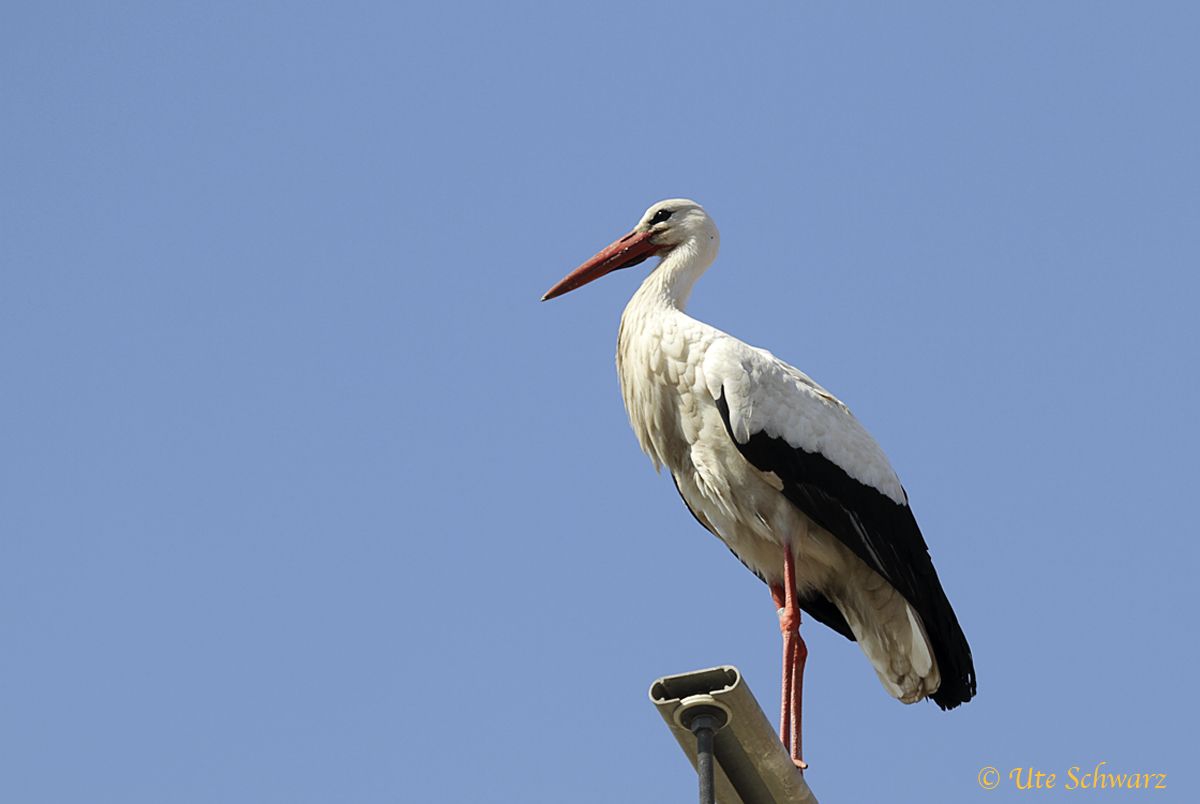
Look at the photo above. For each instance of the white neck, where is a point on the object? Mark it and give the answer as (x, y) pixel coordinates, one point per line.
(656, 312)
(670, 284)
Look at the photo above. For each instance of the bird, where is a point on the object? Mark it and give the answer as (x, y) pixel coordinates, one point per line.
(781, 471)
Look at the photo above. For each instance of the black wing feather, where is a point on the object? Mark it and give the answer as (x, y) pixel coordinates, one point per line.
(881, 532)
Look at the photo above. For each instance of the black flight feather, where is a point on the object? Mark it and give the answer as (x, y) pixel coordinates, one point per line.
(881, 532)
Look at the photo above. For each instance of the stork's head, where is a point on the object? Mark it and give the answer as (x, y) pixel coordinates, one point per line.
(677, 224)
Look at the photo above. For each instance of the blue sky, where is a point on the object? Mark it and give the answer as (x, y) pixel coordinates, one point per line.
(307, 498)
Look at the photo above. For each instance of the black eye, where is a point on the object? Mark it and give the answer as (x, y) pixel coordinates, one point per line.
(660, 216)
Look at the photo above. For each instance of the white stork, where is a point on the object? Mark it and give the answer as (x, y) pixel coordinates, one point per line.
(780, 470)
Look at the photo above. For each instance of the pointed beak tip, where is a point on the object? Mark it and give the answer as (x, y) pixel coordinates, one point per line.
(630, 250)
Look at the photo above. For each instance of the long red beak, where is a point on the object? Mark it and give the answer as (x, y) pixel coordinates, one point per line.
(629, 250)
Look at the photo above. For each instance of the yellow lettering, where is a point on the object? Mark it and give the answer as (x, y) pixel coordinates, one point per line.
(1071, 785)
(1162, 781)
(1015, 775)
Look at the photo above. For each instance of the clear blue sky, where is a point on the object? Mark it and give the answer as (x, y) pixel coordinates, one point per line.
(306, 498)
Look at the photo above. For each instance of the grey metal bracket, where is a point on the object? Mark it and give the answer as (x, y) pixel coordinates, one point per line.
(751, 765)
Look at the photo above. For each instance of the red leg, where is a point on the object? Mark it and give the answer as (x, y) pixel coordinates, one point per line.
(799, 657)
(785, 705)
(795, 654)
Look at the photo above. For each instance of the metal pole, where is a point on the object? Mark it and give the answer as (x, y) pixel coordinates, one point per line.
(704, 727)
(704, 719)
